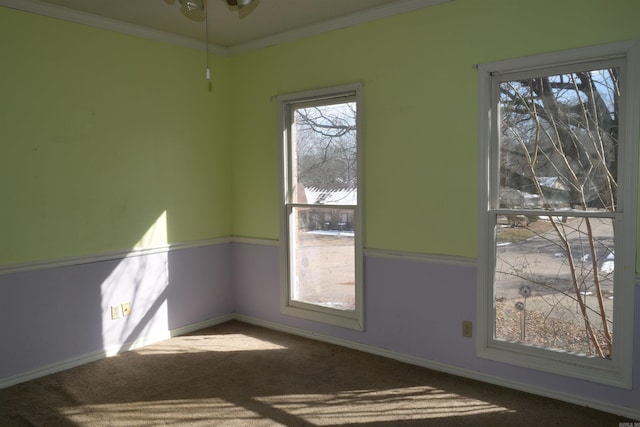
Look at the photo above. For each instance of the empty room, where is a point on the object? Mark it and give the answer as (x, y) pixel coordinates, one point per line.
(313, 193)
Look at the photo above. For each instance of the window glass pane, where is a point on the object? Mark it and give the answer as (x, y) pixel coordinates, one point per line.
(559, 141)
(324, 150)
(323, 257)
(554, 283)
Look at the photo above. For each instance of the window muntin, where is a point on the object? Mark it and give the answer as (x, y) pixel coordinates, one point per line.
(321, 219)
(557, 217)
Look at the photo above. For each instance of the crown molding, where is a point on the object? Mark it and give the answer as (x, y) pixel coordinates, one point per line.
(383, 11)
(84, 18)
(79, 17)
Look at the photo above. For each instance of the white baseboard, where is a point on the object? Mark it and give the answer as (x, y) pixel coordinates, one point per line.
(449, 369)
(109, 352)
(201, 325)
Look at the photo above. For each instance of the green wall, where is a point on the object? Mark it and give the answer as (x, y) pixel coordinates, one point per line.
(101, 134)
(420, 106)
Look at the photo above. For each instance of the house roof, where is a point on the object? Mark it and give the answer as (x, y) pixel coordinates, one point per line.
(344, 196)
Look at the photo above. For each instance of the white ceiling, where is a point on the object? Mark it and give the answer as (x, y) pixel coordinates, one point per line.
(231, 30)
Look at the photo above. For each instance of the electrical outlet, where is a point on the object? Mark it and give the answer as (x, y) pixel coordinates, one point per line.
(126, 308)
(115, 312)
(467, 328)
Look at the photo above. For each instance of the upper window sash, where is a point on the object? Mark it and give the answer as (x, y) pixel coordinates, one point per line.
(498, 78)
(325, 97)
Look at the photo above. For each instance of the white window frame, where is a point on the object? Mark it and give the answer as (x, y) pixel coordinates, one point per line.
(352, 319)
(615, 371)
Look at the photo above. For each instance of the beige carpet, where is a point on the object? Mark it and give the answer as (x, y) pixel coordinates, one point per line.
(237, 374)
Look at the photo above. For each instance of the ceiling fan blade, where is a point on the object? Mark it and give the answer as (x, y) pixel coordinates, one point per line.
(239, 3)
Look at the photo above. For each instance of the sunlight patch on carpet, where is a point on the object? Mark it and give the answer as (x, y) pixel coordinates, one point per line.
(364, 406)
(207, 343)
(193, 412)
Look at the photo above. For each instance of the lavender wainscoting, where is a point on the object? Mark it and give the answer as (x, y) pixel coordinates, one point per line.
(201, 285)
(54, 316)
(415, 308)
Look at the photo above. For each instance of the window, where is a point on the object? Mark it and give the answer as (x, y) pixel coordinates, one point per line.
(321, 210)
(558, 176)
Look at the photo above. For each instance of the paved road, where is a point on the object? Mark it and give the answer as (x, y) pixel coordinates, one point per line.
(542, 264)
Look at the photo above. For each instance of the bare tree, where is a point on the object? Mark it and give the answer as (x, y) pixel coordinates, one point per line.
(326, 149)
(559, 145)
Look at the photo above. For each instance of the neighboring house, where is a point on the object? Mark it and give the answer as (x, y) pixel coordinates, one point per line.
(328, 218)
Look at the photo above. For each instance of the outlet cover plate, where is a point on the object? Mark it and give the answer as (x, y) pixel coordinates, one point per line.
(467, 328)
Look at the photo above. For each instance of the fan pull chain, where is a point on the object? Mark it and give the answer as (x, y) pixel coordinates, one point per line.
(206, 38)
